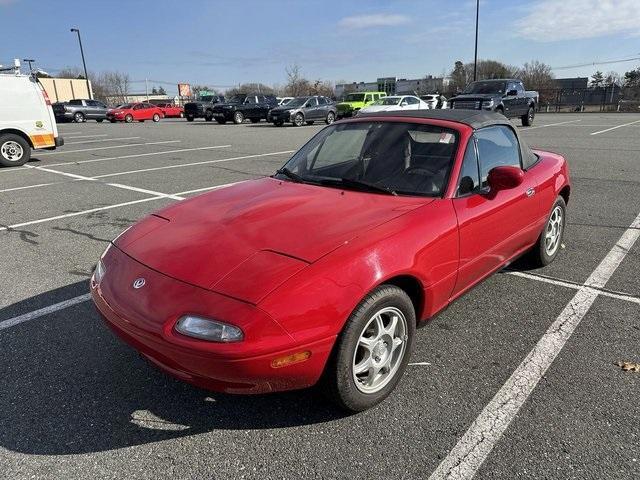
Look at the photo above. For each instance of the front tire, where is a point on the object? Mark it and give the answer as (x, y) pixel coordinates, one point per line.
(208, 116)
(189, 118)
(14, 150)
(527, 119)
(238, 118)
(128, 118)
(330, 118)
(156, 117)
(550, 241)
(372, 351)
(298, 120)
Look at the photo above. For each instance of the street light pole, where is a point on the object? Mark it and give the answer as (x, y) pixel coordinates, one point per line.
(84, 64)
(475, 57)
(29, 61)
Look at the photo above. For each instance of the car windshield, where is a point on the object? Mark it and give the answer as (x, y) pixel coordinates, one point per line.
(286, 101)
(354, 97)
(237, 99)
(388, 101)
(395, 158)
(486, 87)
(296, 102)
(207, 98)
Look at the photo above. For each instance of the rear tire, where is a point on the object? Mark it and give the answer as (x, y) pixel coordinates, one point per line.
(221, 121)
(14, 150)
(208, 116)
(238, 118)
(78, 117)
(371, 355)
(550, 241)
(527, 119)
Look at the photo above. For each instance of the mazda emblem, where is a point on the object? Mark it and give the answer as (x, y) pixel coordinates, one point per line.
(139, 283)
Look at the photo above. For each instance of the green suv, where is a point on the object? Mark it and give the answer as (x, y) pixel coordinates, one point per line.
(353, 102)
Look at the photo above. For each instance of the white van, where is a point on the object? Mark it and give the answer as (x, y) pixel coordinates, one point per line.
(26, 119)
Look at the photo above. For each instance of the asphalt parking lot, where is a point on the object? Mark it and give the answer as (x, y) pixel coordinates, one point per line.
(76, 402)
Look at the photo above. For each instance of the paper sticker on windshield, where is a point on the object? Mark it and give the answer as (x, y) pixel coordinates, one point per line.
(446, 137)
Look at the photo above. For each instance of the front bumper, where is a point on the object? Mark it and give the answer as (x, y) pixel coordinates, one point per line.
(145, 319)
(274, 117)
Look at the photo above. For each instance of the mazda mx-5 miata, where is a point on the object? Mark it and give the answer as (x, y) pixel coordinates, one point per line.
(321, 272)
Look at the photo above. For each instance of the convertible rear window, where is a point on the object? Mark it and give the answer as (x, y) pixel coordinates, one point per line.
(401, 158)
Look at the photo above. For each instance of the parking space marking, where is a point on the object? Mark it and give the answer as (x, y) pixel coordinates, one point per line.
(116, 185)
(88, 136)
(204, 162)
(29, 186)
(617, 126)
(107, 148)
(576, 286)
(12, 322)
(526, 129)
(175, 196)
(136, 155)
(102, 140)
(466, 457)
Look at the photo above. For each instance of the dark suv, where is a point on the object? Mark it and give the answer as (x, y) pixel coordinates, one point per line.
(253, 106)
(202, 108)
(304, 109)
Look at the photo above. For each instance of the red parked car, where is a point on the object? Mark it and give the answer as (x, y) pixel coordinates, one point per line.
(139, 112)
(321, 272)
(170, 110)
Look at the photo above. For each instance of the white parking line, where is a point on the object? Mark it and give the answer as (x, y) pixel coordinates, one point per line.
(526, 129)
(40, 154)
(472, 449)
(617, 126)
(204, 162)
(12, 322)
(165, 152)
(116, 185)
(102, 140)
(561, 283)
(178, 195)
(29, 186)
(87, 136)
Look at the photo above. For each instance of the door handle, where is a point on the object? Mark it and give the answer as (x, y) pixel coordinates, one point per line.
(530, 192)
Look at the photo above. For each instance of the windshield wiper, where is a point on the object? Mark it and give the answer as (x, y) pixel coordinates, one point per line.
(357, 184)
(289, 174)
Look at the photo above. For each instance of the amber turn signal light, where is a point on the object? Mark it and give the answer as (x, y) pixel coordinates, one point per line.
(290, 359)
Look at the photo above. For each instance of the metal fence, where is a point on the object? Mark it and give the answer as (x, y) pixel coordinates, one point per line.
(601, 99)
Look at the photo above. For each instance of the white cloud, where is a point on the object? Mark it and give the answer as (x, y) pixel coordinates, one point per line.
(374, 20)
(552, 20)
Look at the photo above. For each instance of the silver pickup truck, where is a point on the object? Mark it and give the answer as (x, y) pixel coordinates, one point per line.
(80, 110)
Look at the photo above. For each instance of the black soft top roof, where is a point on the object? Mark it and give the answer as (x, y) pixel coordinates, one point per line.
(474, 118)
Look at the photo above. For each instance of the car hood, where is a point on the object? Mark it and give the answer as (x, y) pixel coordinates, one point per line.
(476, 96)
(246, 239)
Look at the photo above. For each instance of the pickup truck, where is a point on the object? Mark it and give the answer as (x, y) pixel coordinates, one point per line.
(505, 95)
(80, 110)
(202, 108)
(253, 106)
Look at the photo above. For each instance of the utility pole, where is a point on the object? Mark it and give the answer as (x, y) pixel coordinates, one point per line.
(84, 64)
(475, 56)
(146, 88)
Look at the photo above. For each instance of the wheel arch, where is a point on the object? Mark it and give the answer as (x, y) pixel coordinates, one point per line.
(565, 193)
(20, 133)
(412, 287)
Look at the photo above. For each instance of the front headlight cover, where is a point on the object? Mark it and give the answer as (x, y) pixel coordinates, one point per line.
(207, 329)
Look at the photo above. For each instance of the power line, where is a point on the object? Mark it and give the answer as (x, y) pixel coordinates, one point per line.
(604, 62)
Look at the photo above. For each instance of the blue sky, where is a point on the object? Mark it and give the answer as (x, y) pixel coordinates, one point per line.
(223, 43)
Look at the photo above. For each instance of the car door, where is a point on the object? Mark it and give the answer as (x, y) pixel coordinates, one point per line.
(311, 109)
(412, 103)
(493, 226)
(138, 111)
(510, 100)
(523, 106)
(323, 107)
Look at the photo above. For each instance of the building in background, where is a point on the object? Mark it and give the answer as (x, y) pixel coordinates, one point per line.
(394, 85)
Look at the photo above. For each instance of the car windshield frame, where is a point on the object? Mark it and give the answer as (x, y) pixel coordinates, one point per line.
(237, 99)
(298, 168)
(297, 102)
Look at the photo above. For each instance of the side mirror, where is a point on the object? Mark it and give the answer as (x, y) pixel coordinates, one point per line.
(512, 93)
(505, 178)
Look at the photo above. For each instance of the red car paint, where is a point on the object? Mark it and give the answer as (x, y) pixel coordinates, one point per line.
(139, 112)
(170, 110)
(288, 263)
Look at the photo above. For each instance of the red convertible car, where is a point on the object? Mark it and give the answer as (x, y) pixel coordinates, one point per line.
(171, 110)
(321, 272)
(139, 112)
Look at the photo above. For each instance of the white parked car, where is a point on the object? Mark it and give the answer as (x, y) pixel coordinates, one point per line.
(396, 102)
(435, 100)
(26, 118)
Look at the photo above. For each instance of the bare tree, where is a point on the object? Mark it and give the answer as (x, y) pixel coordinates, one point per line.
(536, 75)
(297, 85)
(250, 88)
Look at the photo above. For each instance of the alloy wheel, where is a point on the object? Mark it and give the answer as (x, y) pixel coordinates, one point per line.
(380, 350)
(553, 231)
